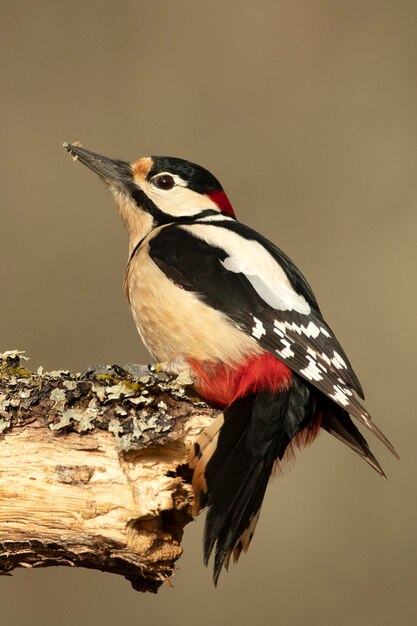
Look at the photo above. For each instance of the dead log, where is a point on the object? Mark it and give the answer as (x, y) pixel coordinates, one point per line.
(93, 469)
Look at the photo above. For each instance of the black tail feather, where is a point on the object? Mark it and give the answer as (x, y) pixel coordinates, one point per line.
(256, 431)
(338, 423)
(226, 472)
(231, 538)
(234, 459)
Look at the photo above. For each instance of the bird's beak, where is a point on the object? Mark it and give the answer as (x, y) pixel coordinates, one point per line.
(112, 171)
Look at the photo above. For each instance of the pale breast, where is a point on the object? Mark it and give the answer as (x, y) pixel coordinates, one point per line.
(173, 322)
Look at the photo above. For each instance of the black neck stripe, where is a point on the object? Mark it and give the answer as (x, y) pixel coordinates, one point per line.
(173, 220)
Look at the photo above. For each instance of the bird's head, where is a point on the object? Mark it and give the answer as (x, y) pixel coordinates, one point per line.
(153, 191)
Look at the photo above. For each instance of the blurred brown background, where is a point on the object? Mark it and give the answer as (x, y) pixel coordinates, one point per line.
(307, 112)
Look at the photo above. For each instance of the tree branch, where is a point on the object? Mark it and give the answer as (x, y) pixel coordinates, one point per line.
(93, 469)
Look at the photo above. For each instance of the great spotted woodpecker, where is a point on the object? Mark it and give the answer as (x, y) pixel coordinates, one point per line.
(214, 299)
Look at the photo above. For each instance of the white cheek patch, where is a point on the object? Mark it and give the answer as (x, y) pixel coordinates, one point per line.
(178, 201)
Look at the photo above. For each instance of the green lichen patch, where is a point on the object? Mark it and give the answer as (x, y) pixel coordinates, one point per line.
(11, 368)
(134, 404)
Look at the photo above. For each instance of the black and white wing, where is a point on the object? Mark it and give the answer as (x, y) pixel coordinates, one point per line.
(234, 269)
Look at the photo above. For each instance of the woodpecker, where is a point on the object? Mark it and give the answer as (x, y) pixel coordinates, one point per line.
(216, 300)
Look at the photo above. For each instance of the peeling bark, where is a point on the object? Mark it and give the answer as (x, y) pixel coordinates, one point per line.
(93, 469)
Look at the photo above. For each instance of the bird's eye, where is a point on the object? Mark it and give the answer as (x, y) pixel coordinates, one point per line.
(165, 182)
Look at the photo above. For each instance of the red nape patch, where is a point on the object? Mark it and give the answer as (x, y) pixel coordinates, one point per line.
(222, 201)
(220, 384)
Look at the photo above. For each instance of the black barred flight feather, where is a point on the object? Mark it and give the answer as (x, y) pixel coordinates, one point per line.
(235, 270)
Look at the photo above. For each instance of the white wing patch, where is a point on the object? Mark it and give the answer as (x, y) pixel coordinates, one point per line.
(311, 330)
(318, 363)
(340, 395)
(259, 329)
(312, 371)
(287, 352)
(338, 362)
(250, 258)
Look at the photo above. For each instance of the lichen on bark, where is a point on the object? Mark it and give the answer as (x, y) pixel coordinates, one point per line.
(93, 468)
